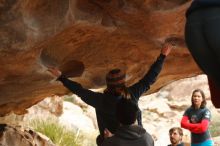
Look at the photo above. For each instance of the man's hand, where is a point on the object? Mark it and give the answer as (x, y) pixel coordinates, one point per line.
(167, 47)
(107, 133)
(54, 71)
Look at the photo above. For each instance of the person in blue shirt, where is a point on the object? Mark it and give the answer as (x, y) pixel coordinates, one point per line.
(105, 103)
(202, 36)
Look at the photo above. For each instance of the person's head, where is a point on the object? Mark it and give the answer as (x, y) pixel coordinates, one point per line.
(176, 134)
(126, 111)
(115, 80)
(198, 99)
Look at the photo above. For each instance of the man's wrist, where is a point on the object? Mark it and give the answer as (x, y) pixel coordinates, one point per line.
(162, 55)
(61, 77)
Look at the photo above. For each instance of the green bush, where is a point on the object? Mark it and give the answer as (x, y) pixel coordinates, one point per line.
(58, 134)
(69, 98)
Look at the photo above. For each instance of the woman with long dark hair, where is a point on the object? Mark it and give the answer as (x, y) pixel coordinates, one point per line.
(196, 119)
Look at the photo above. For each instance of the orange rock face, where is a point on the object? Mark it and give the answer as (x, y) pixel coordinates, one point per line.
(85, 38)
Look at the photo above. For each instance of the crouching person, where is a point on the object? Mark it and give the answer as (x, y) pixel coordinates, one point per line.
(128, 134)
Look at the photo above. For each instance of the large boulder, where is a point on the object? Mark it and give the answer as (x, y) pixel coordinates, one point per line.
(85, 38)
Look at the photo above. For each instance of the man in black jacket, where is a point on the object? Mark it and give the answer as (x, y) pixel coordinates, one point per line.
(128, 133)
(105, 103)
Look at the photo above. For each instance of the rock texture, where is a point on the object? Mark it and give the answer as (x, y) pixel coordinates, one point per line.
(85, 38)
(14, 135)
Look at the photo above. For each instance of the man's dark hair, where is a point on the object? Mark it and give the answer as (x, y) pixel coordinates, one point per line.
(126, 111)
